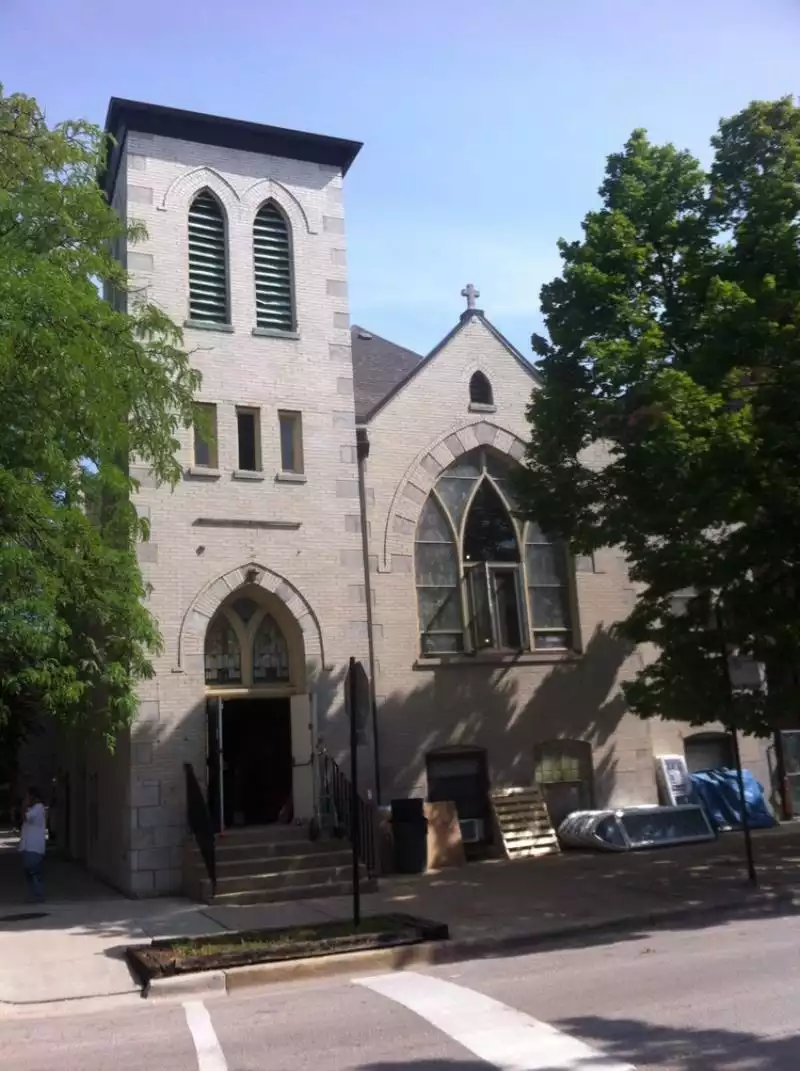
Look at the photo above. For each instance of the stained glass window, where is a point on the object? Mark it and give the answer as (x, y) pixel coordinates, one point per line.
(223, 656)
(548, 588)
(270, 653)
(470, 575)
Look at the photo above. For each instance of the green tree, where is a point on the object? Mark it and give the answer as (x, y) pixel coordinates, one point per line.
(667, 423)
(84, 386)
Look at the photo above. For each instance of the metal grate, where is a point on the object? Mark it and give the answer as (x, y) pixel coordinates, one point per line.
(273, 270)
(208, 283)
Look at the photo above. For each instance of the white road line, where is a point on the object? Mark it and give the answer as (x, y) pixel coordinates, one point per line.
(500, 1035)
(210, 1056)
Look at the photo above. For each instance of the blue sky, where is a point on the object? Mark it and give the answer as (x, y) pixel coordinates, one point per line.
(485, 125)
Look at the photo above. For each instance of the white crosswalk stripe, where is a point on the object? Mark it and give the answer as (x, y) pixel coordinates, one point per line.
(502, 1036)
(210, 1056)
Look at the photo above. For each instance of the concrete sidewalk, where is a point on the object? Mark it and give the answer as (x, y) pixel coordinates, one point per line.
(75, 950)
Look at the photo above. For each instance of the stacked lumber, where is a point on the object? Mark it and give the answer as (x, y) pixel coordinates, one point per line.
(523, 822)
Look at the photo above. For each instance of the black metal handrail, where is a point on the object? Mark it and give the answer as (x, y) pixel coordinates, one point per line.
(201, 824)
(338, 788)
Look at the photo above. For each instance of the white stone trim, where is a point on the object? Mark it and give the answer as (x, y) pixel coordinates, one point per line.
(182, 189)
(270, 189)
(192, 632)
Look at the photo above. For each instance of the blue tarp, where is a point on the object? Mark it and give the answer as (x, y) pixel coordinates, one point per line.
(718, 792)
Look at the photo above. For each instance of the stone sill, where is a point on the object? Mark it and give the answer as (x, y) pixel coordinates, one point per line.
(204, 325)
(482, 407)
(199, 472)
(523, 658)
(290, 477)
(271, 332)
(247, 474)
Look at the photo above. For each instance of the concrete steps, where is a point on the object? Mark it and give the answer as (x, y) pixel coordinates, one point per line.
(273, 864)
(290, 892)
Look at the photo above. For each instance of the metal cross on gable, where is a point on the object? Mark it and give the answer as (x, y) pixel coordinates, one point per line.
(471, 293)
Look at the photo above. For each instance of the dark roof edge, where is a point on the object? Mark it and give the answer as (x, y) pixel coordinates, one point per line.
(124, 115)
(388, 341)
(465, 318)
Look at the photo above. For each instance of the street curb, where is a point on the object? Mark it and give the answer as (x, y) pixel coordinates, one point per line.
(205, 984)
(452, 951)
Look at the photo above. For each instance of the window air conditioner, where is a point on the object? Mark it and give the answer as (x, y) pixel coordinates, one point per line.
(471, 830)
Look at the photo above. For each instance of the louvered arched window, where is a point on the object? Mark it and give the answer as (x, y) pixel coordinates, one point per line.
(272, 256)
(208, 262)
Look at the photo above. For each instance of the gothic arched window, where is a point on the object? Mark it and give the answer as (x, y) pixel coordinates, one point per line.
(270, 653)
(208, 261)
(479, 583)
(480, 390)
(223, 655)
(272, 267)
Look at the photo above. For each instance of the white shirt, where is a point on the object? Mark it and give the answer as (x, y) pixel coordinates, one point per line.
(34, 830)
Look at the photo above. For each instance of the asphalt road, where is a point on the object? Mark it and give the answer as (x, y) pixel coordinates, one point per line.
(725, 998)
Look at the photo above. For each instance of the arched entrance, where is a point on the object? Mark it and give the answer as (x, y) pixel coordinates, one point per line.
(259, 738)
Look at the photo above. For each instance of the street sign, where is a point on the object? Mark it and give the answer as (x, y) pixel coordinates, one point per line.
(357, 697)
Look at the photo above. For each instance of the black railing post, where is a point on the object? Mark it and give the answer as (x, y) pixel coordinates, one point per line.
(354, 798)
(201, 824)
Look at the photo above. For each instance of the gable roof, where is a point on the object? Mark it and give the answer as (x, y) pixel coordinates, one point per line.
(378, 376)
(378, 367)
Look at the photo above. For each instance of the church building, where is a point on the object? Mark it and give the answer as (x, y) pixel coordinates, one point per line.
(342, 497)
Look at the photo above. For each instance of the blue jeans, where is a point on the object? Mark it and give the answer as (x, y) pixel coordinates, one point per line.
(32, 865)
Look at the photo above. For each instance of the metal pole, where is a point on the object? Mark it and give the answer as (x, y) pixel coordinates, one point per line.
(752, 877)
(221, 769)
(354, 830)
(362, 453)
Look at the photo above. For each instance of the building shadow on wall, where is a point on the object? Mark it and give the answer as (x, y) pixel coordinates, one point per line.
(506, 710)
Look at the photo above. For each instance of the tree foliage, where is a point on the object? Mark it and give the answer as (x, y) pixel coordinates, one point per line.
(667, 423)
(84, 385)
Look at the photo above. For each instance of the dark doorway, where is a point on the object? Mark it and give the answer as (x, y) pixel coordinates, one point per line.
(461, 775)
(256, 761)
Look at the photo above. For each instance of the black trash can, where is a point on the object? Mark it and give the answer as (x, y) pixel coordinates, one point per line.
(410, 836)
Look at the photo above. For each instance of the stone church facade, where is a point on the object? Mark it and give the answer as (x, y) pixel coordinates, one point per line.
(490, 651)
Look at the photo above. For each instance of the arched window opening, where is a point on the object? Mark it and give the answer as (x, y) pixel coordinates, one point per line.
(480, 390)
(223, 655)
(474, 585)
(208, 266)
(270, 653)
(563, 771)
(272, 267)
(489, 534)
(490, 550)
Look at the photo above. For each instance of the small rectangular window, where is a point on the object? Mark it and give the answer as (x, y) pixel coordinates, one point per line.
(205, 435)
(291, 442)
(247, 421)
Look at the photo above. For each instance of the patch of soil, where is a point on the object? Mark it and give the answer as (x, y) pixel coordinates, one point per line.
(220, 951)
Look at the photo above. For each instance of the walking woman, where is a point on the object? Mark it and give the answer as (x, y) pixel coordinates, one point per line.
(32, 842)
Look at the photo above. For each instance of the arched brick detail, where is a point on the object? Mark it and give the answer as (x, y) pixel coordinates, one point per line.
(272, 190)
(192, 635)
(182, 189)
(425, 470)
